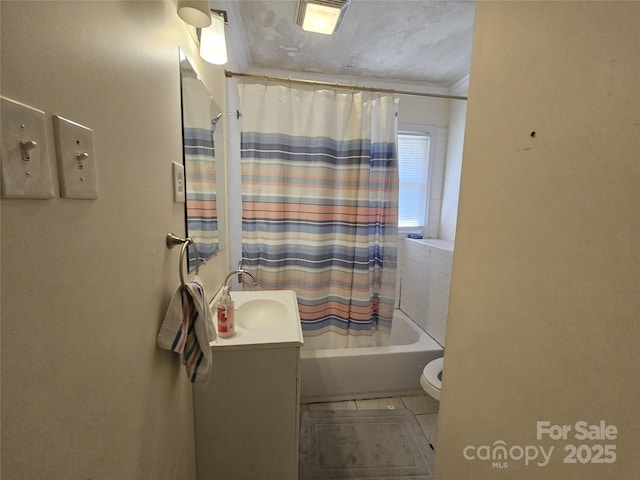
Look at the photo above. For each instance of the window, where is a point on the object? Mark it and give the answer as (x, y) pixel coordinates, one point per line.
(413, 166)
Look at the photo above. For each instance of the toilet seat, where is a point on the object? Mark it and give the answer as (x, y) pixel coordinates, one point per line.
(429, 379)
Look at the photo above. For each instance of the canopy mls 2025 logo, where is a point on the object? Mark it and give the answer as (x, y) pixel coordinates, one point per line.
(596, 444)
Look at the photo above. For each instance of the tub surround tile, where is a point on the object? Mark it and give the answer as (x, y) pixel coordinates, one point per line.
(425, 284)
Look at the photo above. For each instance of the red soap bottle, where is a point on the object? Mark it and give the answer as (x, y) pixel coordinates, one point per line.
(225, 312)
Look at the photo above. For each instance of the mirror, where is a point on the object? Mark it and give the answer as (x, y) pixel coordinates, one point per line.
(203, 157)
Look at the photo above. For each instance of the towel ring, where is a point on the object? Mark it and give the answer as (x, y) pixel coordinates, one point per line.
(172, 241)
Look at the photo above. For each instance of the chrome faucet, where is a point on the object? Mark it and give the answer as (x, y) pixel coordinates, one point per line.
(240, 272)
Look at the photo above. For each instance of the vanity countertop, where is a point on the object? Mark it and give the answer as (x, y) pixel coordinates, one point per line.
(263, 319)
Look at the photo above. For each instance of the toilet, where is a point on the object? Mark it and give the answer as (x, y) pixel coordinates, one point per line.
(431, 378)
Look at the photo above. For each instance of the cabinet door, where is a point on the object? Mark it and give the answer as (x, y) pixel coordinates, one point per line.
(246, 417)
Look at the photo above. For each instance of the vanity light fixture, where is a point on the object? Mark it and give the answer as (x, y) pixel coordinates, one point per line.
(213, 45)
(195, 12)
(321, 16)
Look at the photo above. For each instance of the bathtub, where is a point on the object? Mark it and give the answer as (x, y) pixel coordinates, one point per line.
(369, 372)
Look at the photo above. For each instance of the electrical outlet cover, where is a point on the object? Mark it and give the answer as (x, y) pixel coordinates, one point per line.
(25, 159)
(178, 182)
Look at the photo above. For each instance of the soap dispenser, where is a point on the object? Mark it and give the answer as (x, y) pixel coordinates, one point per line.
(225, 308)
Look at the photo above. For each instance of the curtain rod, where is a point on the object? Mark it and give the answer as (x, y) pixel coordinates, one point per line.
(229, 74)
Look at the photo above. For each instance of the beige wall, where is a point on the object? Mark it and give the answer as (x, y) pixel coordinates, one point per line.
(453, 167)
(543, 316)
(85, 391)
(424, 110)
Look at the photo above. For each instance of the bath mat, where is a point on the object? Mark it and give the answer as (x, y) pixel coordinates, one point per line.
(363, 444)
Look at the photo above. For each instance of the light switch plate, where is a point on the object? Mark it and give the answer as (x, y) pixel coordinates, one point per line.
(178, 182)
(25, 160)
(76, 159)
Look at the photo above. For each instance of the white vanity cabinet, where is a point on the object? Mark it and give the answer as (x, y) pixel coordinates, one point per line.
(247, 415)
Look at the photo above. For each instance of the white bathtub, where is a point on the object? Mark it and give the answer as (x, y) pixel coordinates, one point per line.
(369, 372)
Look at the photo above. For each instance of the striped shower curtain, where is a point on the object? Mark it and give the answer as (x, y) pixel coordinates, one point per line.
(319, 198)
(200, 169)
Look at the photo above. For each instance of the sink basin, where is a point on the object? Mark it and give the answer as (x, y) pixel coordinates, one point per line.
(261, 313)
(265, 318)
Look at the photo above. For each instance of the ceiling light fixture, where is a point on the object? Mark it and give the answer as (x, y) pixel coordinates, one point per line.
(213, 45)
(321, 16)
(195, 12)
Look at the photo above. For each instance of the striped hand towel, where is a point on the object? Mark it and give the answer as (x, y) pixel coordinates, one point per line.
(188, 328)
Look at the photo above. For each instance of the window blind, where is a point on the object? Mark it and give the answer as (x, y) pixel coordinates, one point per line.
(413, 159)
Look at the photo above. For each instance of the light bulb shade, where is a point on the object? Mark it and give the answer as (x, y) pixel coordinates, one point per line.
(213, 45)
(195, 12)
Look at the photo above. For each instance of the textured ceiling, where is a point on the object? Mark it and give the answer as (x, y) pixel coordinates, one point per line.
(404, 40)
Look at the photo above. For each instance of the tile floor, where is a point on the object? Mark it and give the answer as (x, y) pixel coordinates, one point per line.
(423, 407)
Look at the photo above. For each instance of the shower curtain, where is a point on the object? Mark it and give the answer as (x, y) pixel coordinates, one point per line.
(200, 169)
(319, 206)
